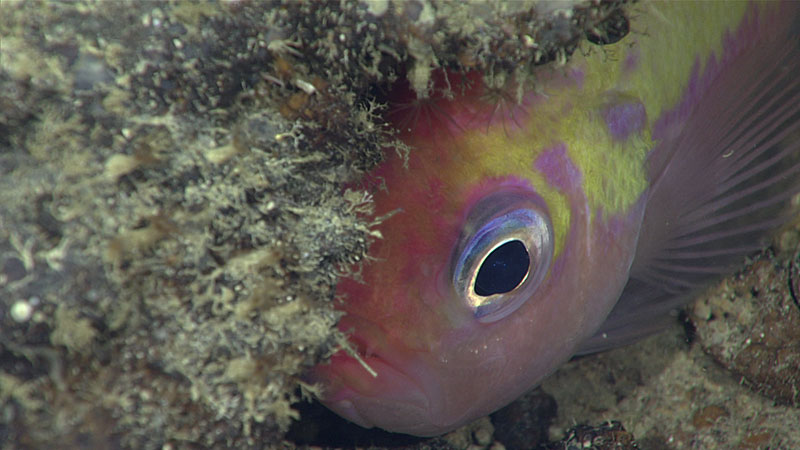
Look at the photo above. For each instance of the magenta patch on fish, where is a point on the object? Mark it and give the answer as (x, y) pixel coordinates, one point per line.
(557, 168)
(631, 62)
(625, 119)
(578, 77)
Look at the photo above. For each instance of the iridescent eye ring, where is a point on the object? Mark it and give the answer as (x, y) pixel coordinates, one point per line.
(500, 265)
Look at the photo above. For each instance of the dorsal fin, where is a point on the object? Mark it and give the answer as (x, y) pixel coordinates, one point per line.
(721, 180)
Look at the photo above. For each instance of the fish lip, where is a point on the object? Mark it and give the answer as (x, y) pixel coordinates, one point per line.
(405, 396)
(405, 404)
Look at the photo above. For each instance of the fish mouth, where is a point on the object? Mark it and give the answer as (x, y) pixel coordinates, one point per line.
(388, 387)
(390, 399)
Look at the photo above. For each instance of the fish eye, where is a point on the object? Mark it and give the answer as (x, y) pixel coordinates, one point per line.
(499, 265)
(503, 269)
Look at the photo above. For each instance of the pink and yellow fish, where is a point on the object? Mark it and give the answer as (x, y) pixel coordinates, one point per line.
(570, 221)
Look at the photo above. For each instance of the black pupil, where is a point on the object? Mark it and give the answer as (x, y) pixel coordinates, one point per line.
(503, 269)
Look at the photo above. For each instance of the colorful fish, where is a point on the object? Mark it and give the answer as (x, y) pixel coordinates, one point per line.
(569, 221)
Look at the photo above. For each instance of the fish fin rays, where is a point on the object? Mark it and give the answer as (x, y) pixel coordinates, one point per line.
(641, 311)
(721, 180)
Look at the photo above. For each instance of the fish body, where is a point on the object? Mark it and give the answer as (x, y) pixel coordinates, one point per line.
(571, 218)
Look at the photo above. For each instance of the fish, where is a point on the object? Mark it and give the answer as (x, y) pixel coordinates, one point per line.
(531, 223)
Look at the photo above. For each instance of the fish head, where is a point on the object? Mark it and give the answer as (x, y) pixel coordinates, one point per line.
(510, 232)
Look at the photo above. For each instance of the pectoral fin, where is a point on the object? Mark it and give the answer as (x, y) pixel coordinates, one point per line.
(721, 180)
